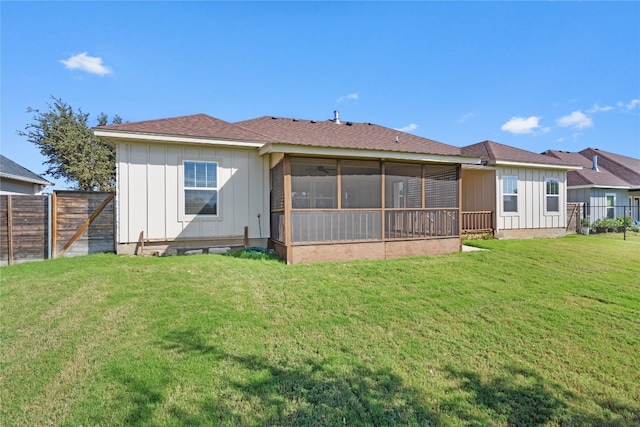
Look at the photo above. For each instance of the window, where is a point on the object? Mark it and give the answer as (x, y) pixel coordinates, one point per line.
(200, 188)
(510, 194)
(552, 192)
(611, 206)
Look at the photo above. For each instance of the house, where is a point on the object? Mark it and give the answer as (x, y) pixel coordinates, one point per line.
(516, 193)
(15, 179)
(314, 190)
(607, 185)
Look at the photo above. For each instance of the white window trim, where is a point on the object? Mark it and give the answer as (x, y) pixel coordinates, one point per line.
(503, 193)
(546, 209)
(182, 216)
(606, 205)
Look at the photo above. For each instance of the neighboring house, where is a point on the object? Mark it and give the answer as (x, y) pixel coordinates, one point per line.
(606, 184)
(520, 193)
(15, 179)
(316, 190)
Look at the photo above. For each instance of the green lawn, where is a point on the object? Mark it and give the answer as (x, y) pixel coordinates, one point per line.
(530, 332)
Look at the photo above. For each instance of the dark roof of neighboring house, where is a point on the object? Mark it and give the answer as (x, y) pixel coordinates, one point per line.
(328, 133)
(586, 176)
(624, 167)
(196, 125)
(614, 170)
(10, 169)
(490, 152)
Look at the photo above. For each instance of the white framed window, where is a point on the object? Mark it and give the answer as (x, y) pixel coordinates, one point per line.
(552, 194)
(611, 205)
(510, 194)
(200, 187)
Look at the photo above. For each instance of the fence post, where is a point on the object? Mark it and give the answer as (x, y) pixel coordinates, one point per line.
(624, 224)
(9, 230)
(54, 225)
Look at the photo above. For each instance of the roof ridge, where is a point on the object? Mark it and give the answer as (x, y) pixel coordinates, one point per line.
(489, 146)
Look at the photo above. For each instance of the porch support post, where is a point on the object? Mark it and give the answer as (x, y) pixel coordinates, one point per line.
(422, 186)
(339, 187)
(287, 205)
(384, 217)
(459, 174)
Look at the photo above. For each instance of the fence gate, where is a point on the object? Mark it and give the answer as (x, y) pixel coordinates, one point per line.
(83, 223)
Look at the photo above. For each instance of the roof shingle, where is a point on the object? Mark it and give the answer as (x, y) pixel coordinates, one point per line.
(327, 133)
(9, 168)
(196, 125)
(490, 151)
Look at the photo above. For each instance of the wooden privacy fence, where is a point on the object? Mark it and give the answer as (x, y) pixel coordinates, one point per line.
(65, 223)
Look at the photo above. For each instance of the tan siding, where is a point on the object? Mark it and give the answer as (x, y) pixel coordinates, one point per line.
(157, 194)
(150, 193)
(173, 226)
(138, 209)
(122, 194)
(532, 212)
(478, 190)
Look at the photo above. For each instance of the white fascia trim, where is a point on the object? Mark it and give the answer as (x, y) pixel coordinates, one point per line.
(612, 187)
(368, 154)
(115, 137)
(535, 165)
(24, 179)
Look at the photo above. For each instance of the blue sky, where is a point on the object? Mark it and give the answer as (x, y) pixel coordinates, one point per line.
(535, 75)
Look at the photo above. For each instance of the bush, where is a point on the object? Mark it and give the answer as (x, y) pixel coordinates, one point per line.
(615, 224)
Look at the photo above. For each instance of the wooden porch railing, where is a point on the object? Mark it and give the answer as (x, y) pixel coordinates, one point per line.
(477, 222)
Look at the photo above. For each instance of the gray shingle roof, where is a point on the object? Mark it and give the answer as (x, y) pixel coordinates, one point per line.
(10, 169)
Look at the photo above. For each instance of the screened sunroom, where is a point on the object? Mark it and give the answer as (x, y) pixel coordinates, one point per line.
(337, 209)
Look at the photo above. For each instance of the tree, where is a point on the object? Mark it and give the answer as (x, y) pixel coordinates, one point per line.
(73, 151)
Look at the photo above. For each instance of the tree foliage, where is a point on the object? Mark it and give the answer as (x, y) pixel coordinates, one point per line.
(74, 153)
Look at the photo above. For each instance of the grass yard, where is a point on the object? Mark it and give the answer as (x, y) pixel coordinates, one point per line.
(530, 332)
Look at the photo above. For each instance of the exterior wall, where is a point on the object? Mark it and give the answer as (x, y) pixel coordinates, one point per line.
(596, 200)
(532, 213)
(478, 190)
(368, 250)
(150, 193)
(11, 186)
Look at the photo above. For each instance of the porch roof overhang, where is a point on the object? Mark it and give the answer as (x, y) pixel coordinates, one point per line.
(517, 164)
(354, 153)
(117, 137)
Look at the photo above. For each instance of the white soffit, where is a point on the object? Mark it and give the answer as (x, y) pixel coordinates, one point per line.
(368, 154)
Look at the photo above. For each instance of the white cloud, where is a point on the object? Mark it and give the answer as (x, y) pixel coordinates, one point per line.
(466, 117)
(630, 106)
(576, 120)
(350, 97)
(598, 109)
(521, 125)
(84, 62)
(409, 128)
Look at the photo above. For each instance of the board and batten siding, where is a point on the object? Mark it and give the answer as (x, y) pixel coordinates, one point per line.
(149, 196)
(596, 200)
(531, 212)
